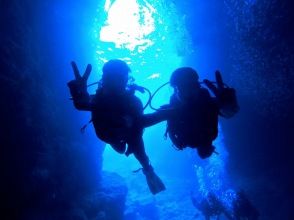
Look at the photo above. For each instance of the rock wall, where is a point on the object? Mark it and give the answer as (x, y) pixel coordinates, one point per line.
(48, 170)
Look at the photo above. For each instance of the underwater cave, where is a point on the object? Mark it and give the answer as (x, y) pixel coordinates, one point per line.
(51, 170)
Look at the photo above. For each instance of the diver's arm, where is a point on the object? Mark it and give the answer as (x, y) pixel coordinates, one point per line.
(147, 120)
(83, 105)
(163, 114)
(80, 96)
(151, 119)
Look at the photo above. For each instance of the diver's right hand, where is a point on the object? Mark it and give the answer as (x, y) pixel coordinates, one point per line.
(78, 86)
(79, 81)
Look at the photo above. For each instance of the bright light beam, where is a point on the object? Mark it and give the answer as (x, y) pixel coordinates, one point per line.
(128, 25)
(152, 39)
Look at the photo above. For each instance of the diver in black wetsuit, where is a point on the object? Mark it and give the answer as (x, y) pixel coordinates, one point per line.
(210, 206)
(117, 114)
(196, 122)
(243, 208)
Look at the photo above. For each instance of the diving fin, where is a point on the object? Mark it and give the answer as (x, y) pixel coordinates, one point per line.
(154, 182)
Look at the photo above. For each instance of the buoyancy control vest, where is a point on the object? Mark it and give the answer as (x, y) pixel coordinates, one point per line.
(114, 116)
(196, 121)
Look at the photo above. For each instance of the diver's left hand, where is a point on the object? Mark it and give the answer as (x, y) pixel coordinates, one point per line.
(226, 96)
(218, 89)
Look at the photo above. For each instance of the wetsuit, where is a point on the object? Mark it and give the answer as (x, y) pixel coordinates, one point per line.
(196, 121)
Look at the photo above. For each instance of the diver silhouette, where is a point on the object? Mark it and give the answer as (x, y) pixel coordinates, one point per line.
(243, 208)
(210, 206)
(196, 122)
(117, 114)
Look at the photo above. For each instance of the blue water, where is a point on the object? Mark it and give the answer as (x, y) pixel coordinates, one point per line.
(250, 42)
(153, 38)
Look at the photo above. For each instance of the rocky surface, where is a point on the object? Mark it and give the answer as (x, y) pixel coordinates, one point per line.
(48, 169)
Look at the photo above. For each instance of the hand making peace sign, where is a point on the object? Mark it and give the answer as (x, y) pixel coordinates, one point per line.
(225, 96)
(78, 86)
(217, 90)
(80, 80)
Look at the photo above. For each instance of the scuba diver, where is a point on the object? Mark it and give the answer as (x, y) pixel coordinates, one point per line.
(196, 122)
(243, 208)
(210, 206)
(117, 114)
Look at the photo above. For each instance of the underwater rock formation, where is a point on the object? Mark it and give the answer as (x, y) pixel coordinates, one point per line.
(48, 169)
(109, 201)
(106, 201)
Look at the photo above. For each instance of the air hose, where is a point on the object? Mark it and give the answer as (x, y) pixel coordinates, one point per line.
(131, 87)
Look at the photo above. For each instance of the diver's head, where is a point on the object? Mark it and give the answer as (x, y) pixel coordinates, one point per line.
(184, 80)
(115, 75)
(205, 151)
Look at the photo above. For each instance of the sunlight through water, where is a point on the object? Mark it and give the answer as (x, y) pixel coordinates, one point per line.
(152, 38)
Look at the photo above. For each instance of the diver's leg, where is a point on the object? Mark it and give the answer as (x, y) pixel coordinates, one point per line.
(154, 182)
(136, 145)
